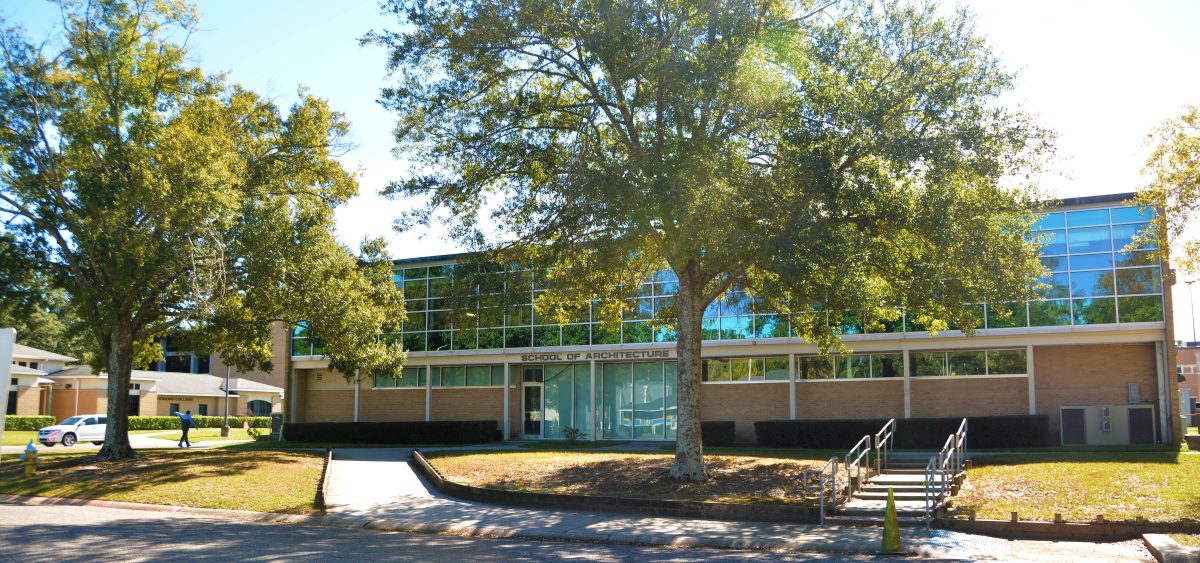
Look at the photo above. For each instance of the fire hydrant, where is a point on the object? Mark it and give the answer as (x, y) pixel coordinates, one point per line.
(30, 458)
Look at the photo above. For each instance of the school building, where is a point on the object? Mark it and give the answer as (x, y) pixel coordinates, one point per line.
(1095, 354)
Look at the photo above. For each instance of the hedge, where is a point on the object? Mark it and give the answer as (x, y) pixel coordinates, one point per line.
(1019, 431)
(439, 432)
(172, 422)
(716, 432)
(13, 422)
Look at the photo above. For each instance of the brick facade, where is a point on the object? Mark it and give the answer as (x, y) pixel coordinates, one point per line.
(384, 405)
(1091, 375)
(744, 404)
(871, 398)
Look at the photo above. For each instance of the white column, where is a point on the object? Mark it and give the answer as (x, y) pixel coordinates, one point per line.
(907, 388)
(595, 427)
(357, 390)
(8, 344)
(428, 392)
(1032, 386)
(1166, 404)
(507, 400)
(792, 386)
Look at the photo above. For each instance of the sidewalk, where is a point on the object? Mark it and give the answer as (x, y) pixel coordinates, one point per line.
(379, 487)
(164, 440)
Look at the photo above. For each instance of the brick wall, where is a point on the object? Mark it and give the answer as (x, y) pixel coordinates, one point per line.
(744, 404)
(149, 404)
(328, 406)
(90, 401)
(869, 398)
(392, 404)
(468, 404)
(1090, 375)
(28, 401)
(967, 396)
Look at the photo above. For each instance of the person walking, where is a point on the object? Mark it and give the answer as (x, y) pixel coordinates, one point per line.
(185, 420)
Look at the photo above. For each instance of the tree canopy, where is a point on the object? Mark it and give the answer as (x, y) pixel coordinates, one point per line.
(827, 158)
(1173, 168)
(165, 199)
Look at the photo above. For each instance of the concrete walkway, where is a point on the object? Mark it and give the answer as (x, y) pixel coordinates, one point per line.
(156, 441)
(380, 486)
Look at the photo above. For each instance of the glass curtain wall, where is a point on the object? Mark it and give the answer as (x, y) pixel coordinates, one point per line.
(638, 400)
(1094, 279)
(568, 397)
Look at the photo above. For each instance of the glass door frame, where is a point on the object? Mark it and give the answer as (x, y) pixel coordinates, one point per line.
(541, 409)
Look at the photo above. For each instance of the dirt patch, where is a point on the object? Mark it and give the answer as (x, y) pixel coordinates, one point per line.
(630, 475)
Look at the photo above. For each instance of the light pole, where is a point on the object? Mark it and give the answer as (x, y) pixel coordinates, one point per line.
(1192, 301)
(225, 427)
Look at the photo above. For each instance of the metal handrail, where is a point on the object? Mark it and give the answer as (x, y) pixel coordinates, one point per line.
(827, 482)
(885, 444)
(945, 464)
(854, 467)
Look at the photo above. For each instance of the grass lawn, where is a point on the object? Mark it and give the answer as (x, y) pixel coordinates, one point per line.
(1161, 487)
(565, 445)
(206, 434)
(264, 480)
(627, 474)
(1187, 540)
(22, 437)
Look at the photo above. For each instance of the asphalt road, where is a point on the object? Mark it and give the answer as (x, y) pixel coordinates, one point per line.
(75, 533)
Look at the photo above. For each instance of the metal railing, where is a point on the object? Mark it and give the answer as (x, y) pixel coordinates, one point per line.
(944, 467)
(826, 479)
(885, 444)
(858, 459)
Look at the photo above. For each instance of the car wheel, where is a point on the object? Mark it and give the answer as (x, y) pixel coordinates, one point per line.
(68, 440)
(98, 443)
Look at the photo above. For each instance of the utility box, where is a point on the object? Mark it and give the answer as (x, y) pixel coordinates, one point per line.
(276, 426)
(1097, 425)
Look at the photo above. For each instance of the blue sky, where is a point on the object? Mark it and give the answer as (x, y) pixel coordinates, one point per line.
(1100, 73)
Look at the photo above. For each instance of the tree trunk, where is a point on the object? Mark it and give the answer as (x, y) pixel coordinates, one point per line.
(689, 449)
(119, 363)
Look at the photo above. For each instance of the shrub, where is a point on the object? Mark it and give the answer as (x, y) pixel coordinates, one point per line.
(717, 432)
(573, 435)
(440, 432)
(1018, 431)
(172, 422)
(12, 422)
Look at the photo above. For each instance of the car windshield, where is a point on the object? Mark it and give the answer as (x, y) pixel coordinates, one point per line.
(72, 420)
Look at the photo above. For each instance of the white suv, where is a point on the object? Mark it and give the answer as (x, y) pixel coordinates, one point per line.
(85, 427)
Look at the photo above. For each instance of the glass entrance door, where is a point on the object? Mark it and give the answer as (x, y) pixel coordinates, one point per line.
(531, 401)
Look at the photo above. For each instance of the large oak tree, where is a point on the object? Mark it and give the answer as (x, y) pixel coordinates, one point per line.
(837, 158)
(164, 199)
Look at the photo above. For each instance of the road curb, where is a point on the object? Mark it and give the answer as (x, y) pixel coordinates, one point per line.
(1167, 550)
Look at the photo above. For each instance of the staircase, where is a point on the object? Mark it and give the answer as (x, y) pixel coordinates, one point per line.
(921, 482)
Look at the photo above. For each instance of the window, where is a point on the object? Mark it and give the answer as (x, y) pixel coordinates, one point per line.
(202, 409)
(173, 407)
(33, 365)
(965, 363)
(411, 377)
(259, 407)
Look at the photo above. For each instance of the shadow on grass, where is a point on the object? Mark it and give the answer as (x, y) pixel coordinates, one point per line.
(82, 476)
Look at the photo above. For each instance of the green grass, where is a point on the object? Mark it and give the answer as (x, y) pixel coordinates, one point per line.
(565, 445)
(753, 451)
(19, 437)
(271, 481)
(1161, 487)
(1187, 540)
(628, 474)
(206, 434)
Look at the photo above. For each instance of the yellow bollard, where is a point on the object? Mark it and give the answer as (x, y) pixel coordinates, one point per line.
(891, 527)
(30, 458)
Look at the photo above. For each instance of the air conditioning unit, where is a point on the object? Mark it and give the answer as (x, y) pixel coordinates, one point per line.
(1135, 393)
(1106, 426)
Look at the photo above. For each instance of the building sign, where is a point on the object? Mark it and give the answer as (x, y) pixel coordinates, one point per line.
(613, 355)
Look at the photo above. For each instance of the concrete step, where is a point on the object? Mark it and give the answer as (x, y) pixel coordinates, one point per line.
(899, 478)
(882, 495)
(905, 521)
(897, 488)
(868, 507)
